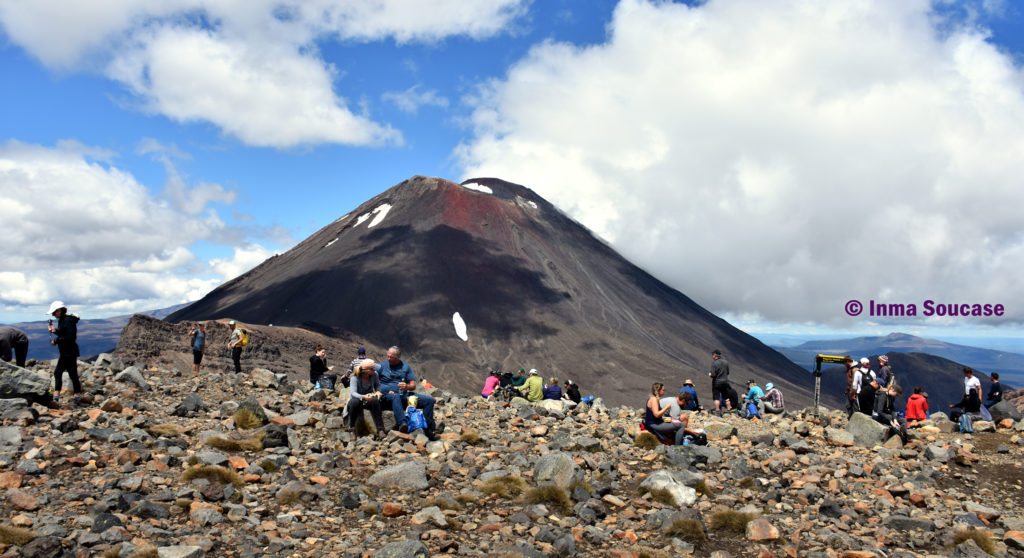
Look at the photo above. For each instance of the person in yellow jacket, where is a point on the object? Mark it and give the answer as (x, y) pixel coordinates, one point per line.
(533, 389)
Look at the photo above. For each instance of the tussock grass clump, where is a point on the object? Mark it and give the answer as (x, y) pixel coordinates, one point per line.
(213, 473)
(445, 503)
(467, 498)
(471, 437)
(245, 419)
(662, 496)
(646, 440)
(730, 521)
(17, 536)
(747, 482)
(980, 538)
(288, 497)
(167, 430)
(504, 487)
(369, 509)
(702, 488)
(690, 530)
(581, 483)
(551, 495)
(651, 553)
(268, 466)
(248, 443)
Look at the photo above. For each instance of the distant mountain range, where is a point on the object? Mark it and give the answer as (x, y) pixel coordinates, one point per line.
(94, 336)
(1010, 366)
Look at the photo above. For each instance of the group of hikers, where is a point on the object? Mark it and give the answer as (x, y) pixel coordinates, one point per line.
(530, 386)
(63, 335)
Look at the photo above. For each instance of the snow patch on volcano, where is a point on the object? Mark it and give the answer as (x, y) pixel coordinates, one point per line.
(331, 242)
(381, 211)
(478, 187)
(460, 326)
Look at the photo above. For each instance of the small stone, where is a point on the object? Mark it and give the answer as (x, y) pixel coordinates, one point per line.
(391, 509)
(21, 500)
(179, 552)
(761, 529)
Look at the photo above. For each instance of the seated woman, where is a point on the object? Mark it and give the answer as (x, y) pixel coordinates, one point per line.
(492, 381)
(654, 415)
(552, 391)
(365, 392)
(970, 404)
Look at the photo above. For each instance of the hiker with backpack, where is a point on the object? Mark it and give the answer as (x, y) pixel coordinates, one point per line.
(65, 336)
(868, 387)
(752, 400)
(917, 406)
(239, 340)
(773, 402)
(365, 394)
(13, 344)
(197, 340)
(884, 378)
(720, 381)
(398, 384)
(887, 414)
(655, 415)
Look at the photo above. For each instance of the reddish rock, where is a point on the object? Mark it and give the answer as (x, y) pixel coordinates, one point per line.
(21, 500)
(761, 529)
(918, 500)
(11, 479)
(391, 509)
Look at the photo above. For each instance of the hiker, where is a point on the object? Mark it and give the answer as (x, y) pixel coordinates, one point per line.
(868, 386)
(65, 337)
(197, 338)
(693, 403)
(995, 393)
(883, 379)
(518, 379)
(572, 392)
(397, 383)
(552, 391)
(533, 389)
(13, 343)
(720, 380)
(972, 382)
(672, 403)
(853, 378)
(238, 340)
(493, 381)
(365, 393)
(969, 405)
(753, 396)
(654, 415)
(318, 368)
(917, 406)
(773, 402)
(888, 416)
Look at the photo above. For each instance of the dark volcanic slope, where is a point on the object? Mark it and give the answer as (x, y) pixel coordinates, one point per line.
(534, 287)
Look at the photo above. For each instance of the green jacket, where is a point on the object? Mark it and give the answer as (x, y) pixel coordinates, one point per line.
(533, 389)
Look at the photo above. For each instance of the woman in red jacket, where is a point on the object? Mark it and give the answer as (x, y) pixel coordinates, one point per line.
(917, 406)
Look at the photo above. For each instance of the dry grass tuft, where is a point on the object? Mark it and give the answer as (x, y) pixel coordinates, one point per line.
(504, 487)
(646, 440)
(702, 488)
(167, 430)
(15, 535)
(471, 437)
(662, 496)
(288, 497)
(268, 466)
(552, 495)
(690, 530)
(445, 503)
(746, 482)
(730, 521)
(213, 473)
(248, 443)
(980, 538)
(246, 420)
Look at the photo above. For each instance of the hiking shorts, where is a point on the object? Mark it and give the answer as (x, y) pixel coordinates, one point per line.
(719, 392)
(197, 357)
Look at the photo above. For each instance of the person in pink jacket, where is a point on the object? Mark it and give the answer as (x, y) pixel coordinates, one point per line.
(492, 381)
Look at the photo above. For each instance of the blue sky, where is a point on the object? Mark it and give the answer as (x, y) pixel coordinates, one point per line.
(153, 151)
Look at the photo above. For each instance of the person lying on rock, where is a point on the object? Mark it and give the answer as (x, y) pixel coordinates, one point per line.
(397, 383)
(365, 393)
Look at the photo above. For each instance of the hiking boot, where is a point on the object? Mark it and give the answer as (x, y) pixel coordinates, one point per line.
(432, 436)
(403, 428)
(439, 429)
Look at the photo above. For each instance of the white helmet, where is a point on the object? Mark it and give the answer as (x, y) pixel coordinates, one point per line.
(56, 305)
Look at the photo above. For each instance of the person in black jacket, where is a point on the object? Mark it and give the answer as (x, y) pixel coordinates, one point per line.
(318, 365)
(995, 393)
(65, 337)
(572, 391)
(13, 343)
(970, 404)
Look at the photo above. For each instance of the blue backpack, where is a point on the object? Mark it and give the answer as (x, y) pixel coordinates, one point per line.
(414, 417)
(752, 410)
(588, 399)
(966, 424)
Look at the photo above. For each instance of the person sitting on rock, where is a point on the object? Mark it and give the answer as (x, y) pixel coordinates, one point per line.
(533, 389)
(572, 392)
(917, 406)
(493, 381)
(13, 343)
(753, 396)
(519, 378)
(397, 383)
(655, 415)
(552, 391)
(360, 357)
(694, 402)
(773, 401)
(365, 394)
(970, 404)
(995, 393)
(887, 414)
(318, 366)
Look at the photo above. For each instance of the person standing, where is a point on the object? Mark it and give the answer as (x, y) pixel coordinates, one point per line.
(853, 379)
(239, 339)
(719, 380)
(883, 379)
(868, 387)
(13, 343)
(995, 393)
(972, 382)
(65, 337)
(198, 339)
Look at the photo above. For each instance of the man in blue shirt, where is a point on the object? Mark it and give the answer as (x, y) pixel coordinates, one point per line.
(397, 383)
(694, 404)
(754, 395)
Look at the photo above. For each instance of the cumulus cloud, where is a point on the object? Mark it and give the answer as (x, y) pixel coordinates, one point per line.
(413, 98)
(777, 158)
(82, 230)
(250, 68)
(242, 259)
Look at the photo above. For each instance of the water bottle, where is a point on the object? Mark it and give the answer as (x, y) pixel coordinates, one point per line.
(686, 440)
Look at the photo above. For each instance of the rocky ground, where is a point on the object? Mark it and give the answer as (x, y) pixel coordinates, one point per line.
(154, 462)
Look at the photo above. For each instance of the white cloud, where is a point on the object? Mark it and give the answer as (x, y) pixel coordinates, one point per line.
(251, 67)
(777, 157)
(242, 260)
(413, 98)
(88, 233)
